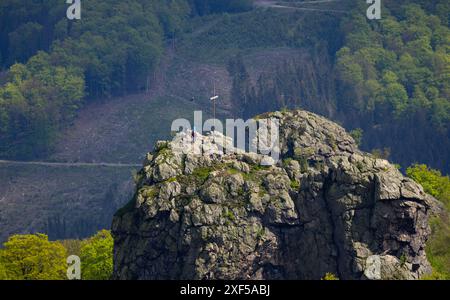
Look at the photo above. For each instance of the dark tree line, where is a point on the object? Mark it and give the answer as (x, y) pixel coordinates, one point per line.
(112, 50)
(27, 26)
(388, 77)
(204, 7)
(393, 80)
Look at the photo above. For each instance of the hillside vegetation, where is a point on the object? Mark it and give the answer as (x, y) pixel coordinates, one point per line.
(34, 257)
(438, 250)
(386, 80)
(393, 80)
(112, 50)
(388, 77)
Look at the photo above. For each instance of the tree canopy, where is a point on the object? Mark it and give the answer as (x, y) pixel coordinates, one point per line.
(112, 50)
(96, 256)
(438, 251)
(399, 66)
(433, 182)
(32, 257)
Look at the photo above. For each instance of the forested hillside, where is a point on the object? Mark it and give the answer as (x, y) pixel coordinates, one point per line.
(106, 87)
(389, 77)
(112, 50)
(393, 80)
(34, 257)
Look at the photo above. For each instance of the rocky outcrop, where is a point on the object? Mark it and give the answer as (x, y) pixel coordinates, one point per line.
(325, 208)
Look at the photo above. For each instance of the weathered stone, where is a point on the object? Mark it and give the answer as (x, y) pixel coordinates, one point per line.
(326, 208)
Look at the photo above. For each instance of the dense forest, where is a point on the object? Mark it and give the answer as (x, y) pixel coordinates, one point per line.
(111, 50)
(204, 7)
(54, 65)
(390, 78)
(394, 75)
(34, 257)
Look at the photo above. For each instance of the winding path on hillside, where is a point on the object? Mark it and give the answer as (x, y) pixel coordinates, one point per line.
(67, 164)
(285, 5)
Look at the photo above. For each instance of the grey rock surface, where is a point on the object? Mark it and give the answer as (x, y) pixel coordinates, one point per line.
(326, 207)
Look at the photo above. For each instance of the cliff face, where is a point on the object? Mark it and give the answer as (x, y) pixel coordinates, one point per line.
(326, 207)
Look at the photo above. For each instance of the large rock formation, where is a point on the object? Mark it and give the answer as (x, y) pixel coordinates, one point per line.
(326, 207)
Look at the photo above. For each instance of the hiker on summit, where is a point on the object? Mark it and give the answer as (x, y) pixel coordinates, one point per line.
(193, 135)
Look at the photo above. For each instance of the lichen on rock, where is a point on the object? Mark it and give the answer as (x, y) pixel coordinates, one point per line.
(326, 207)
